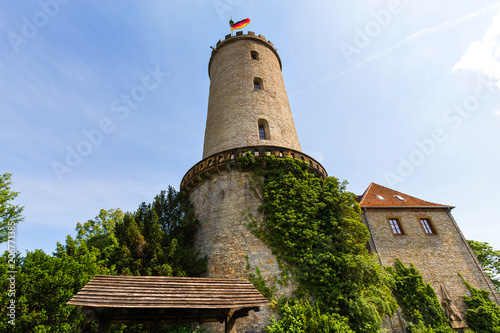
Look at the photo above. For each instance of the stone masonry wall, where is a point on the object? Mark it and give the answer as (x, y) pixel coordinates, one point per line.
(438, 257)
(235, 107)
(223, 235)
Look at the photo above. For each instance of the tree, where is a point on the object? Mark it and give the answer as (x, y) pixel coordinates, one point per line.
(489, 259)
(111, 243)
(158, 239)
(10, 214)
(43, 285)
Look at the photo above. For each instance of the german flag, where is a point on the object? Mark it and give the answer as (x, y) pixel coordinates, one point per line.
(239, 24)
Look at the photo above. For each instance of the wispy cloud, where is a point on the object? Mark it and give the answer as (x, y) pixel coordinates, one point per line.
(483, 56)
(428, 31)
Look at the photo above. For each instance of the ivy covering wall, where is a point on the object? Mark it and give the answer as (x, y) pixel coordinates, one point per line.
(313, 226)
(418, 301)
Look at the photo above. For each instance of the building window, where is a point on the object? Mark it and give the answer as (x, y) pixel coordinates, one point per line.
(262, 132)
(379, 196)
(399, 197)
(254, 55)
(396, 227)
(257, 83)
(428, 227)
(263, 126)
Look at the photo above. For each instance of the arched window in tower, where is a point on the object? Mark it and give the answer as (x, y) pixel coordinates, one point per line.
(257, 83)
(264, 130)
(254, 55)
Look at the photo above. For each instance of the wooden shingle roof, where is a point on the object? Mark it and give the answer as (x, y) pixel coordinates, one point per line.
(106, 291)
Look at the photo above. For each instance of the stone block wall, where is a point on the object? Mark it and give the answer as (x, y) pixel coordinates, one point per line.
(438, 257)
(235, 107)
(221, 203)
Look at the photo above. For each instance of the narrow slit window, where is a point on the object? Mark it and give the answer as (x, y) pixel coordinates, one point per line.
(263, 127)
(396, 226)
(262, 132)
(428, 227)
(258, 84)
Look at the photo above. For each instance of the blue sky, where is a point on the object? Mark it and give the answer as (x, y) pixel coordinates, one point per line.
(103, 104)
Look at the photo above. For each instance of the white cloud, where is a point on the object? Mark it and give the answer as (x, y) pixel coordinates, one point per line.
(483, 56)
(430, 31)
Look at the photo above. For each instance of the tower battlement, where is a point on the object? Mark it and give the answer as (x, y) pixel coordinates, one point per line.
(215, 164)
(228, 39)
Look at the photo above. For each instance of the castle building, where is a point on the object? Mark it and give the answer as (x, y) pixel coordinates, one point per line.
(425, 234)
(248, 111)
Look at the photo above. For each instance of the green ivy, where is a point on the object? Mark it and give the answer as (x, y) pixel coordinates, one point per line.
(313, 226)
(418, 301)
(301, 316)
(260, 283)
(483, 315)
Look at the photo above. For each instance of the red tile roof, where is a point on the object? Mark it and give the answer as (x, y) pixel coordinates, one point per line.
(390, 199)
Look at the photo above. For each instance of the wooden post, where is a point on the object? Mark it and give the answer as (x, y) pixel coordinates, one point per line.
(105, 320)
(230, 325)
(230, 322)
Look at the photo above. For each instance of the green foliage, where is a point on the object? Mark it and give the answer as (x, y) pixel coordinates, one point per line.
(260, 283)
(489, 259)
(313, 226)
(44, 283)
(483, 316)
(158, 239)
(418, 300)
(301, 316)
(10, 214)
(157, 329)
(97, 232)
(137, 243)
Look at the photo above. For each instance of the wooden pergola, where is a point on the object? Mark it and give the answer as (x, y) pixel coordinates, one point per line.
(167, 300)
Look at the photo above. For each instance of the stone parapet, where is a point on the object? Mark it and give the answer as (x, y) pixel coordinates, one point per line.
(227, 160)
(228, 39)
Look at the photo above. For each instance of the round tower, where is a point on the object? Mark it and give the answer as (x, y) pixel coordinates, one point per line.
(248, 104)
(248, 112)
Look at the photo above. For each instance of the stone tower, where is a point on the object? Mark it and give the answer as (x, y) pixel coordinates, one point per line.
(247, 92)
(248, 111)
